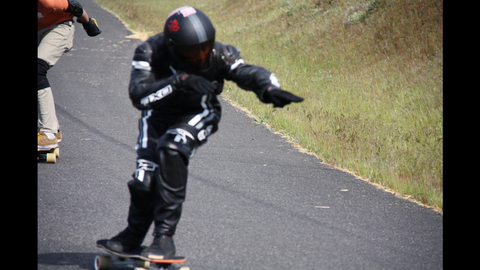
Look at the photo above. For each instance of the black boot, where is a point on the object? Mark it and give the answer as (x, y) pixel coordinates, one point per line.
(139, 219)
(132, 237)
(125, 241)
(161, 248)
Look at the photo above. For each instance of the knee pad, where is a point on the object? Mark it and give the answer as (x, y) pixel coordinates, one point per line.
(143, 177)
(180, 138)
(142, 193)
(42, 74)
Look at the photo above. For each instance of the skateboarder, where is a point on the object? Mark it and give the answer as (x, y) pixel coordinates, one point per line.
(175, 79)
(55, 37)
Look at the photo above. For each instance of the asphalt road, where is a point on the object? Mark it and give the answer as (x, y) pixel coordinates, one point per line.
(253, 200)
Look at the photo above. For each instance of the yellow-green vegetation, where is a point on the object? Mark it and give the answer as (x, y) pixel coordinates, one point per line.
(371, 73)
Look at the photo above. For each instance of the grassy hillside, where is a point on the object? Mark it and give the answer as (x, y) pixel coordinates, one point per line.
(371, 73)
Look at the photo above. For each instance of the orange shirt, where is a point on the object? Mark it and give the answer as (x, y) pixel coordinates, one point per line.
(51, 12)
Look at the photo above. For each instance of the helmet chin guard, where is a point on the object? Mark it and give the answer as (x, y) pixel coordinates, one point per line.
(190, 38)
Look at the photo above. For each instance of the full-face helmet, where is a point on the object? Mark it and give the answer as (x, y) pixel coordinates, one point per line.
(190, 38)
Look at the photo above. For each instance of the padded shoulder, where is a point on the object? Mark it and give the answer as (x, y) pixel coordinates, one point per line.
(229, 54)
(143, 52)
(150, 48)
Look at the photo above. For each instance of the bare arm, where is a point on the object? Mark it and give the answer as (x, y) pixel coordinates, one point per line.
(84, 18)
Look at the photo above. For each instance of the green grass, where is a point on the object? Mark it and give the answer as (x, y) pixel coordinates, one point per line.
(371, 73)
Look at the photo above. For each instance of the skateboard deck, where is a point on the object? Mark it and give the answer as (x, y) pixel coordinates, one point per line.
(105, 262)
(48, 155)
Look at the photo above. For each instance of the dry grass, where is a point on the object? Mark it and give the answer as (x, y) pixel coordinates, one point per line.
(371, 73)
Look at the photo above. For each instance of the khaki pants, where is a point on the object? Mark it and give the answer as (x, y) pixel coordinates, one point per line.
(52, 43)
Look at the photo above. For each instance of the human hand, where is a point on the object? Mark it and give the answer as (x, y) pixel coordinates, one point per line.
(91, 27)
(197, 84)
(280, 97)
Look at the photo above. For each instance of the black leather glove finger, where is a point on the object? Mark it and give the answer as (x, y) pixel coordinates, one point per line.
(91, 27)
(280, 97)
(198, 84)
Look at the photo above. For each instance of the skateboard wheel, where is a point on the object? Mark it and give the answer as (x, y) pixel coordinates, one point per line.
(57, 152)
(143, 264)
(51, 158)
(103, 263)
(184, 268)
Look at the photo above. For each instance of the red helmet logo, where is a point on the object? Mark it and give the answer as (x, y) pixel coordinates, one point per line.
(173, 26)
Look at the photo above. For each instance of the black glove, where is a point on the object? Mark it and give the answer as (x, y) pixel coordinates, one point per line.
(196, 83)
(91, 27)
(280, 97)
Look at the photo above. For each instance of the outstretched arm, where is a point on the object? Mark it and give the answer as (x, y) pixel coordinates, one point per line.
(257, 79)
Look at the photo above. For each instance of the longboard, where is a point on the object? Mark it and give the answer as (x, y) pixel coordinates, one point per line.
(105, 262)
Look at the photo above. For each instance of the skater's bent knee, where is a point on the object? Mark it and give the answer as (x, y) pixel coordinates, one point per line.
(179, 139)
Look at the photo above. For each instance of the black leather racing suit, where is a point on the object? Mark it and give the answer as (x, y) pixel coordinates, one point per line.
(175, 121)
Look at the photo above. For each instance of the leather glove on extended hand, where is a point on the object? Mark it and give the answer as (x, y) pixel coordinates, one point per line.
(196, 83)
(91, 27)
(280, 97)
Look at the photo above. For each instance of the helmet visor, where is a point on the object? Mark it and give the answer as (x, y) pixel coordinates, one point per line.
(196, 56)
